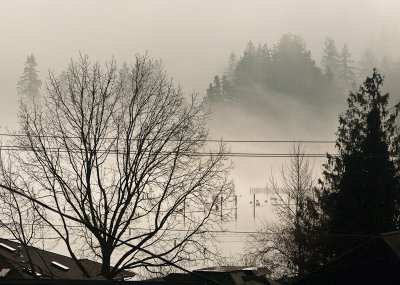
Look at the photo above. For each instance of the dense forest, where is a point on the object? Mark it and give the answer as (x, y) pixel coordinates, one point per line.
(266, 76)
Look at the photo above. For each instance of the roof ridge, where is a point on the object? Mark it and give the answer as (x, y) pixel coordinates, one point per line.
(396, 232)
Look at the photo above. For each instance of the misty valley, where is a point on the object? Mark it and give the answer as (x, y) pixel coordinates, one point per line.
(189, 142)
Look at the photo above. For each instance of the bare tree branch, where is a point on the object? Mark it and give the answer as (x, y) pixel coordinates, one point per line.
(114, 150)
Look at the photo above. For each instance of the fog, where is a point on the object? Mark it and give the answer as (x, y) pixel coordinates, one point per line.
(194, 40)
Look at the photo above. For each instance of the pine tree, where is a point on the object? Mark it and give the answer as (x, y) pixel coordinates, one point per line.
(230, 70)
(29, 83)
(367, 61)
(330, 58)
(244, 71)
(360, 194)
(226, 87)
(346, 69)
(293, 69)
(217, 86)
(214, 92)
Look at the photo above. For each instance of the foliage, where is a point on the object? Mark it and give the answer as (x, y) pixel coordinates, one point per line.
(360, 191)
(368, 61)
(286, 67)
(346, 71)
(294, 69)
(330, 58)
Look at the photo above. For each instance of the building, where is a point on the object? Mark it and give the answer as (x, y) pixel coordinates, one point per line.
(15, 264)
(227, 275)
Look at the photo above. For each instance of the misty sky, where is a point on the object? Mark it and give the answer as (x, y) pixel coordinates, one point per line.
(193, 38)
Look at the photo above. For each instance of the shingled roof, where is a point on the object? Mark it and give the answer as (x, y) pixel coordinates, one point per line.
(47, 264)
(227, 275)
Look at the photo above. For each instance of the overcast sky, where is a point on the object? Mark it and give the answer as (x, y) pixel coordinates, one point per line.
(193, 38)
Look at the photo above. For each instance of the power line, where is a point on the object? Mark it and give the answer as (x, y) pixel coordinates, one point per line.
(122, 151)
(218, 232)
(187, 140)
(192, 154)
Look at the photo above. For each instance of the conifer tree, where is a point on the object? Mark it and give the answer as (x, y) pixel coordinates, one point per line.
(217, 85)
(367, 61)
(330, 58)
(346, 69)
(214, 92)
(29, 83)
(293, 69)
(360, 189)
(226, 86)
(230, 70)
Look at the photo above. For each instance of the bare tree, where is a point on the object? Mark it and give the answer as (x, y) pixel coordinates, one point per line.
(124, 153)
(285, 244)
(18, 219)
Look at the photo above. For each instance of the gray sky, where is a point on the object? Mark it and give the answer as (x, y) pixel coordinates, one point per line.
(193, 38)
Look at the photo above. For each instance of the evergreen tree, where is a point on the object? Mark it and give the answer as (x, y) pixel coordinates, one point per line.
(214, 92)
(226, 86)
(210, 92)
(29, 83)
(330, 58)
(252, 70)
(367, 61)
(294, 71)
(360, 194)
(346, 69)
(217, 86)
(230, 70)
(391, 68)
(244, 71)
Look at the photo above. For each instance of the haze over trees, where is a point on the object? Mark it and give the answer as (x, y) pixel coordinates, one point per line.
(286, 67)
(29, 83)
(115, 165)
(287, 70)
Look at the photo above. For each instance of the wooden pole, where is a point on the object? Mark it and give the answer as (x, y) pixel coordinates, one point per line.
(254, 206)
(221, 207)
(235, 208)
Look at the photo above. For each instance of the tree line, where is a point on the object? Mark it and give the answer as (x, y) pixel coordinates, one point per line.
(288, 67)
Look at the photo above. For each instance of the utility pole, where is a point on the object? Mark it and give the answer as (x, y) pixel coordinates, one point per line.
(254, 206)
(236, 209)
(221, 208)
(184, 212)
